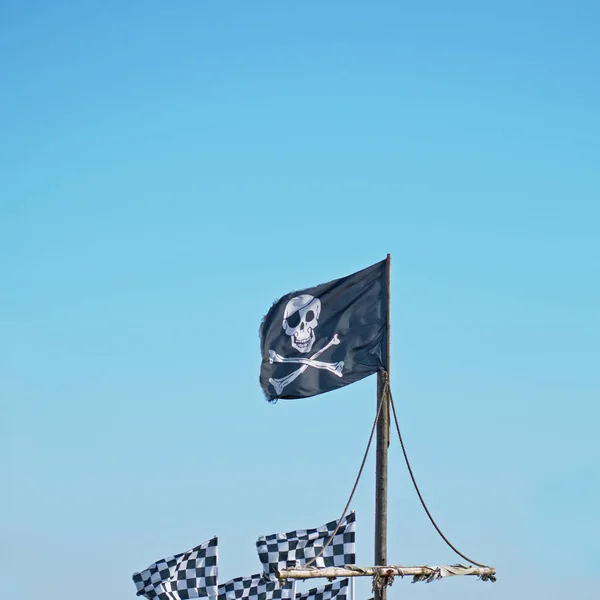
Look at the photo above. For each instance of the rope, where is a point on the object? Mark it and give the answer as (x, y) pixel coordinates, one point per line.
(389, 391)
(362, 466)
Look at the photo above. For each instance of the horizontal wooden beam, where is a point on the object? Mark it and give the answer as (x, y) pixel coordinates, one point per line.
(424, 573)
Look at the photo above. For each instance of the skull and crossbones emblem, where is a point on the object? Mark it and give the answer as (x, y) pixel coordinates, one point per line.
(300, 319)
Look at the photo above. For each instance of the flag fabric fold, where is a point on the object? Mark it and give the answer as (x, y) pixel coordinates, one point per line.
(337, 590)
(191, 574)
(296, 548)
(255, 587)
(325, 337)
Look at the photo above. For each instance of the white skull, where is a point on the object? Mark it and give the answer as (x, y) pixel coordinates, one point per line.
(300, 320)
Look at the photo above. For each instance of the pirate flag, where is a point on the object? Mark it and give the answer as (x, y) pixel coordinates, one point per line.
(323, 338)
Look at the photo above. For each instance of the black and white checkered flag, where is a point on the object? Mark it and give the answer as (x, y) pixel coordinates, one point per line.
(191, 574)
(296, 548)
(337, 590)
(255, 587)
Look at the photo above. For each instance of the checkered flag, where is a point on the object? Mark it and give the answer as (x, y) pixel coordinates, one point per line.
(191, 574)
(296, 548)
(255, 587)
(337, 590)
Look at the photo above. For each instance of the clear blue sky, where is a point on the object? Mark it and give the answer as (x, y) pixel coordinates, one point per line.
(168, 169)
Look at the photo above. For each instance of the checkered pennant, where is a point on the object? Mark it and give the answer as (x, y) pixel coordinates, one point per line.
(337, 590)
(296, 548)
(191, 574)
(255, 587)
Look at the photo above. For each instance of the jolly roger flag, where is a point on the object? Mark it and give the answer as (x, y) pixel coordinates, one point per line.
(325, 337)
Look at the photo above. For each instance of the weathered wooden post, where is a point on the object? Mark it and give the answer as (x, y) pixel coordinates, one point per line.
(383, 442)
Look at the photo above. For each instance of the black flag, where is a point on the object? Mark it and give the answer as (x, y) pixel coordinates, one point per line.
(323, 338)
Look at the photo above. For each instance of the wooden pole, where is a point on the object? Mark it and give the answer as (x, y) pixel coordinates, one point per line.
(383, 441)
(423, 573)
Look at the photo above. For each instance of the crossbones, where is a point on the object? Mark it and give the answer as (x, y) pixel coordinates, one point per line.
(335, 368)
(317, 364)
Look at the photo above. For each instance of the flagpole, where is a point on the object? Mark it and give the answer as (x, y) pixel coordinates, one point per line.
(383, 441)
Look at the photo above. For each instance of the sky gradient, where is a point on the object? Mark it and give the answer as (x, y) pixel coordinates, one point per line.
(169, 169)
